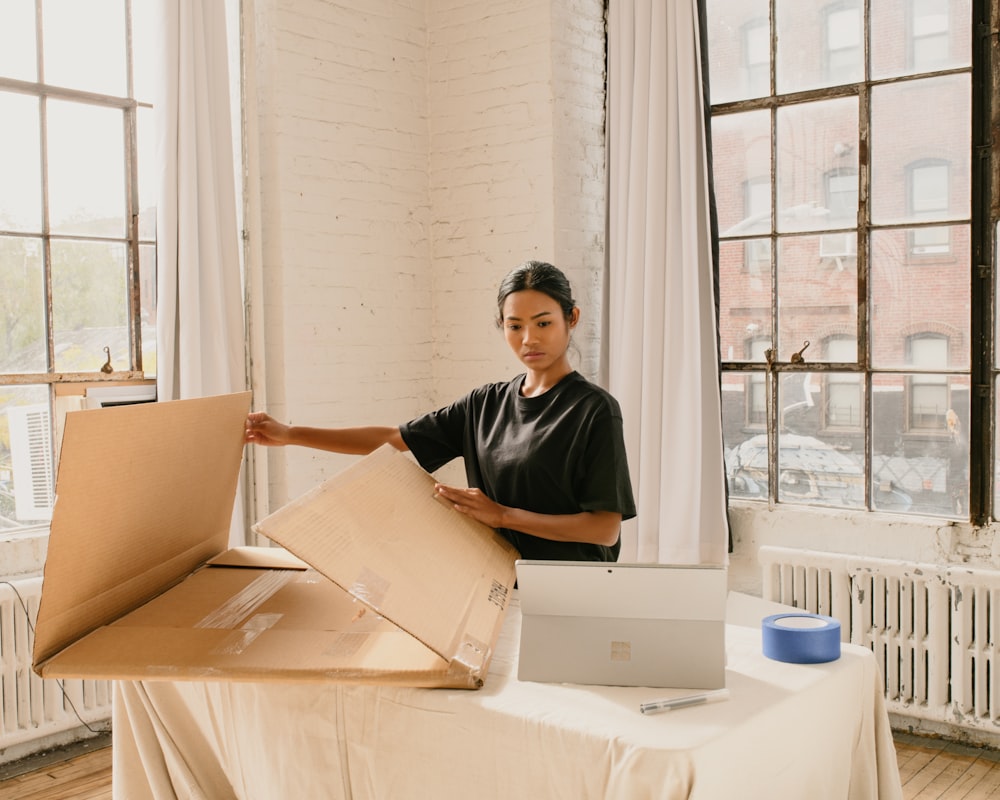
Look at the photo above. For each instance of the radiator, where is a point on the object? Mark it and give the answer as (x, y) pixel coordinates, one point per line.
(34, 712)
(933, 628)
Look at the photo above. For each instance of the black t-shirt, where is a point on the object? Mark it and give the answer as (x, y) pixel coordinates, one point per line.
(560, 453)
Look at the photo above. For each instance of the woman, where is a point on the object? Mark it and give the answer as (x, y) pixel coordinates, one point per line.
(544, 453)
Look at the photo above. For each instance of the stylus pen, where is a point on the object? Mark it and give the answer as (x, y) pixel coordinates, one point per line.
(656, 706)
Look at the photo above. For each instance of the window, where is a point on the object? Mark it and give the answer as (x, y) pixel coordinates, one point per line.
(756, 384)
(77, 219)
(842, 403)
(929, 34)
(757, 205)
(928, 402)
(927, 195)
(871, 128)
(842, 43)
(841, 193)
(756, 57)
(841, 190)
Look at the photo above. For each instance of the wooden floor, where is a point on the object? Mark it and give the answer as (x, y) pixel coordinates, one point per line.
(929, 769)
(81, 772)
(933, 768)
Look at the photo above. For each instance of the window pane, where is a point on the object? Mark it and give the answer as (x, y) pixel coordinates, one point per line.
(914, 291)
(815, 467)
(741, 161)
(817, 296)
(812, 55)
(842, 197)
(740, 43)
(816, 141)
(935, 36)
(147, 302)
(928, 352)
(930, 241)
(744, 296)
(928, 190)
(85, 45)
(22, 304)
(929, 465)
(842, 348)
(910, 145)
(89, 306)
(26, 474)
(18, 57)
(20, 164)
(146, 146)
(746, 448)
(928, 403)
(817, 470)
(144, 20)
(843, 389)
(843, 401)
(86, 170)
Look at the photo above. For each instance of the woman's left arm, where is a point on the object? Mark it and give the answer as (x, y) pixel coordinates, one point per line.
(593, 527)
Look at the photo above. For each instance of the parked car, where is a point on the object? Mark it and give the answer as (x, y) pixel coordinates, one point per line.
(809, 471)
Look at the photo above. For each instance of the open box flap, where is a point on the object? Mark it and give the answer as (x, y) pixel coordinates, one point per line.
(159, 481)
(377, 531)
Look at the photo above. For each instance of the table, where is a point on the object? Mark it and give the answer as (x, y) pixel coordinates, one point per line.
(788, 731)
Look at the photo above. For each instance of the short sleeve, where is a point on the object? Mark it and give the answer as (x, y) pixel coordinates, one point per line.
(437, 437)
(606, 484)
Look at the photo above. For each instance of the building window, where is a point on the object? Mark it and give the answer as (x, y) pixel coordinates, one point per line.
(756, 412)
(841, 191)
(842, 402)
(928, 185)
(841, 42)
(928, 394)
(77, 227)
(757, 57)
(757, 210)
(929, 32)
(871, 167)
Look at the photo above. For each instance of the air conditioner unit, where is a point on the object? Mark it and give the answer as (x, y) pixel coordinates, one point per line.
(838, 245)
(31, 460)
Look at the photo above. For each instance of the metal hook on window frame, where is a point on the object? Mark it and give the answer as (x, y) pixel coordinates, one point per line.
(797, 358)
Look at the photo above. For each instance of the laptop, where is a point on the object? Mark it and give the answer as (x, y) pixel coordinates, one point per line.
(614, 624)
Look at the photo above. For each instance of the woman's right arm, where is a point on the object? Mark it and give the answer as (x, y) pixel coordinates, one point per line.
(263, 429)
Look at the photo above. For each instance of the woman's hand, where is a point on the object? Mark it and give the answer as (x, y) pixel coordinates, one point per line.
(473, 503)
(263, 429)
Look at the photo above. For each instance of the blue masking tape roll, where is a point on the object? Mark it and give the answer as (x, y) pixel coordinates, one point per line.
(801, 638)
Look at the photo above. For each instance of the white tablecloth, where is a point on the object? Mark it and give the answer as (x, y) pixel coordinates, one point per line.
(802, 732)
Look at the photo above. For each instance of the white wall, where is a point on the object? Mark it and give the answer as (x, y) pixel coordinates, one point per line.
(403, 157)
(913, 540)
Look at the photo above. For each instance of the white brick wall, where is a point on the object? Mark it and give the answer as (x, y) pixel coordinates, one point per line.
(410, 153)
(579, 161)
(490, 89)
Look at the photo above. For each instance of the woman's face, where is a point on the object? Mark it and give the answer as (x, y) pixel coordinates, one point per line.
(536, 329)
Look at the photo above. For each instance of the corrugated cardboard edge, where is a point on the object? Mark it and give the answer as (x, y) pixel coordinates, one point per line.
(385, 553)
(89, 581)
(257, 558)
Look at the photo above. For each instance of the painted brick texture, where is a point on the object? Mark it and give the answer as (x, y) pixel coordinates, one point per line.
(410, 153)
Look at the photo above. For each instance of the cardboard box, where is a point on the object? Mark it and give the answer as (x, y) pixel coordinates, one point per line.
(375, 582)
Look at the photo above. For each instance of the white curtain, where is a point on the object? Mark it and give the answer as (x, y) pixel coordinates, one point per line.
(200, 335)
(662, 352)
